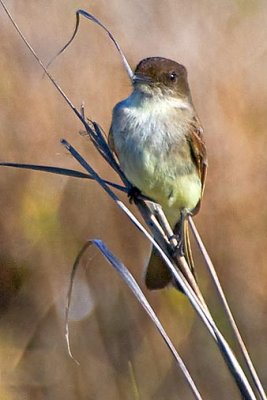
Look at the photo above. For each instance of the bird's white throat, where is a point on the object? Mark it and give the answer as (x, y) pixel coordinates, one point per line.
(156, 102)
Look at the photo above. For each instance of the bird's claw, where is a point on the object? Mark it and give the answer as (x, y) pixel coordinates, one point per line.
(133, 194)
(178, 250)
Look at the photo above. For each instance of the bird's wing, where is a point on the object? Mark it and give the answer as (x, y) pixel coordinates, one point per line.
(199, 153)
(111, 140)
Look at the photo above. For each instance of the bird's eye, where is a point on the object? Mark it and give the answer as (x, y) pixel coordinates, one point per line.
(173, 76)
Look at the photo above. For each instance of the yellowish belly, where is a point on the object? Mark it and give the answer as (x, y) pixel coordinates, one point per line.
(165, 184)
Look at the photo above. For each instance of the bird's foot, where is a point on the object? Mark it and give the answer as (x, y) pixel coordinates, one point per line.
(180, 234)
(178, 248)
(133, 194)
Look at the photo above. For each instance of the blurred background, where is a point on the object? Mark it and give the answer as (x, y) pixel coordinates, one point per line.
(45, 219)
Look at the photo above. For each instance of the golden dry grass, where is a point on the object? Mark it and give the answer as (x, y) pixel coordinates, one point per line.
(45, 219)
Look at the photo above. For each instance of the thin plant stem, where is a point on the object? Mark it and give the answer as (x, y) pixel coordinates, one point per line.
(227, 310)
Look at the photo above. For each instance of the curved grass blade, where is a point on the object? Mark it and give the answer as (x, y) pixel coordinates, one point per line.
(96, 21)
(132, 284)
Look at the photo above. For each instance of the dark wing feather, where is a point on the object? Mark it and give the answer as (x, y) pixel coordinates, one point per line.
(199, 153)
(111, 140)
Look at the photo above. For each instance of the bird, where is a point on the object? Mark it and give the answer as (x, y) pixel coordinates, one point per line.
(158, 139)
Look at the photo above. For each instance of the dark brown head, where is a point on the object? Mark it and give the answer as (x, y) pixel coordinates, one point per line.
(163, 74)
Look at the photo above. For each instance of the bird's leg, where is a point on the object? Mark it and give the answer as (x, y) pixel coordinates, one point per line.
(179, 232)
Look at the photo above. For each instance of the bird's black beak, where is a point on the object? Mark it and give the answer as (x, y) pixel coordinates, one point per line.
(138, 78)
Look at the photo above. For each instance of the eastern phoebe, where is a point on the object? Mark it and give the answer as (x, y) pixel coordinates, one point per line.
(158, 140)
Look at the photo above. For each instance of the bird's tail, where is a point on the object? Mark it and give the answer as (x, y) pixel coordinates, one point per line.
(158, 274)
